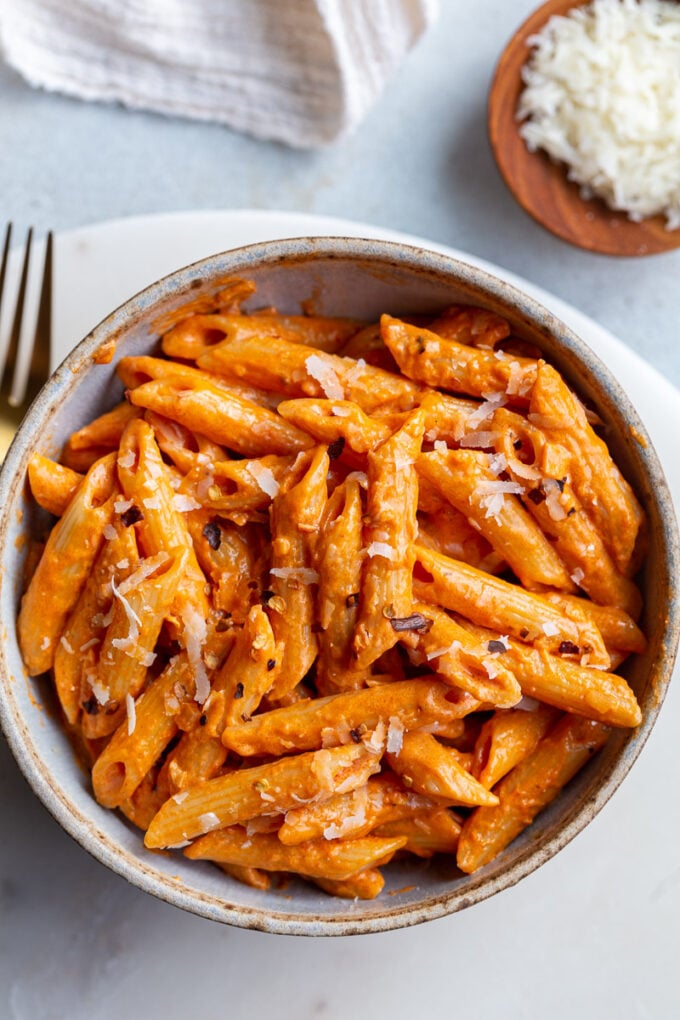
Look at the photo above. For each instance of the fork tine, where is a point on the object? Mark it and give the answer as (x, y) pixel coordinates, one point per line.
(3, 274)
(12, 353)
(41, 352)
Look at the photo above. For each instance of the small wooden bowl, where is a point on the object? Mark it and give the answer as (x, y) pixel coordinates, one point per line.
(541, 186)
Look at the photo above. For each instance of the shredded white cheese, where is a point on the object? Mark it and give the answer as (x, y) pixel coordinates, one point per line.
(184, 503)
(303, 574)
(550, 630)
(381, 549)
(602, 95)
(395, 735)
(264, 478)
(109, 532)
(209, 821)
(326, 376)
(131, 714)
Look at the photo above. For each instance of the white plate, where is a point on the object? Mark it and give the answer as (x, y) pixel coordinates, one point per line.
(593, 933)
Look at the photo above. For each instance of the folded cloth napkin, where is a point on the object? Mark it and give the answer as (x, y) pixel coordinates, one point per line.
(299, 71)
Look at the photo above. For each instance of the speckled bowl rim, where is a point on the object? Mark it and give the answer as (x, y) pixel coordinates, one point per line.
(478, 888)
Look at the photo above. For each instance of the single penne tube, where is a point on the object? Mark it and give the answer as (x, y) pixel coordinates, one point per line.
(597, 481)
(63, 568)
(365, 885)
(384, 798)
(389, 533)
(506, 739)
(472, 326)
(434, 771)
(222, 416)
(154, 508)
(295, 517)
(527, 789)
(198, 333)
(465, 478)
(427, 357)
(338, 860)
(105, 430)
(136, 370)
(128, 756)
(232, 559)
(76, 653)
(593, 693)
(330, 420)
(619, 631)
(247, 674)
(432, 832)
(296, 371)
(141, 604)
(246, 793)
(52, 485)
(551, 500)
(497, 604)
(462, 660)
(420, 703)
(338, 564)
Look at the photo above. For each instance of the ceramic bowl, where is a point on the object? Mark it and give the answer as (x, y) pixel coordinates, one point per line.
(341, 276)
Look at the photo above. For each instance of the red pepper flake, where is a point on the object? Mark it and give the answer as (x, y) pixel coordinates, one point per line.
(356, 736)
(238, 692)
(536, 496)
(213, 534)
(131, 516)
(336, 447)
(352, 600)
(416, 621)
(270, 664)
(91, 706)
(569, 648)
(496, 646)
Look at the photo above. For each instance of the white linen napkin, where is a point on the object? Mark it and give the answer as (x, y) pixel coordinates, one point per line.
(302, 72)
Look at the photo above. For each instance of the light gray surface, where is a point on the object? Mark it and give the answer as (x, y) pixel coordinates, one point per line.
(76, 941)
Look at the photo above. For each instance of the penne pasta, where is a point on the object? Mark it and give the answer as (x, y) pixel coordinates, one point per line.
(527, 789)
(316, 583)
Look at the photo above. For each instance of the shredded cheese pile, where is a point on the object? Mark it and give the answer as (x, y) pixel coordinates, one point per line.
(602, 95)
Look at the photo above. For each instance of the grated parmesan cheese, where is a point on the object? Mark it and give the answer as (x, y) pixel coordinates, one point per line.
(602, 95)
(109, 532)
(131, 714)
(264, 477)
(183, 503)
(395, 735)
(303, 574)
(381, 549)
(209, 821)
(550, 630)
(326, 376)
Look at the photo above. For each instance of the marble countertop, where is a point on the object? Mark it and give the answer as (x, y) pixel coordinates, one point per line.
(75, 940)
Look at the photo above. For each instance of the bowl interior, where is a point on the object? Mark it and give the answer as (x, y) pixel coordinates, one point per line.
(334, 277)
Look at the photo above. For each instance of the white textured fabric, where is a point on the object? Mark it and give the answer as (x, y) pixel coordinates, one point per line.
(299, 71)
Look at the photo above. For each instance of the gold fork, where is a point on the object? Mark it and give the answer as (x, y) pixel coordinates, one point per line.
(25, 354)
